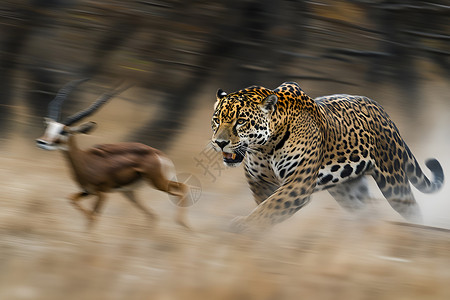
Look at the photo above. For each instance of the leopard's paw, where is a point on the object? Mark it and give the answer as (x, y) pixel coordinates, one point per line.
(239, 224)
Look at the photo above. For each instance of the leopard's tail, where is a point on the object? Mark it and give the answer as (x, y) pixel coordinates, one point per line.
(419, 179)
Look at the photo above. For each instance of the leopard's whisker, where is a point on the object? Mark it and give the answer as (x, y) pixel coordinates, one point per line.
(209, 145)
(248, 149)
(240, 152)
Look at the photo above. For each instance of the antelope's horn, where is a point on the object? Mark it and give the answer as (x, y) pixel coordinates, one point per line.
(95, 106)
(54, 107)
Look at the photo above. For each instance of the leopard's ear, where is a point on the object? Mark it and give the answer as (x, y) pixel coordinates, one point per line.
(220, 94)
(268, 104)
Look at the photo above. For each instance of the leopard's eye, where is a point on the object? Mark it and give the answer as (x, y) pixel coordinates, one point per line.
(241, 121)
(216, 120)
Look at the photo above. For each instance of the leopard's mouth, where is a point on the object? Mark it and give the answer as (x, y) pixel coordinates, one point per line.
(232, 159)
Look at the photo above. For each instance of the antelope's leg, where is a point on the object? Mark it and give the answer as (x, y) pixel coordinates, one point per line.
(97, 207)
(181, 191)
(131, 196)
(161, 182)
(75, 198)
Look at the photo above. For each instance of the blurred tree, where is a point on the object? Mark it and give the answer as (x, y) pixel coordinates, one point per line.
(25, 19)
(177, 47)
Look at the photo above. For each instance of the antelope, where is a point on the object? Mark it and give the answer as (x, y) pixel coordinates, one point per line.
(108, 168)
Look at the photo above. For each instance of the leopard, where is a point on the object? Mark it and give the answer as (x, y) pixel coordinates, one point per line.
(293, 146)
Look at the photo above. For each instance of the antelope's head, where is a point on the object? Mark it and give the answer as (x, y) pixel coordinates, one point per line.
(57, 132)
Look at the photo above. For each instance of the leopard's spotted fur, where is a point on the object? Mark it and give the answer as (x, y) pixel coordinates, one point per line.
(293, 146)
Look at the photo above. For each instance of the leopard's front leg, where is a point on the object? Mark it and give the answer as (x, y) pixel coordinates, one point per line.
(283, 203)
(275, 209)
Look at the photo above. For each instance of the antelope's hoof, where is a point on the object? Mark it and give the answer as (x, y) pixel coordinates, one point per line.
(184, 224)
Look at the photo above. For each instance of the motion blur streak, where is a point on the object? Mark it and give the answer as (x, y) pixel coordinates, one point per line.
(177, 54)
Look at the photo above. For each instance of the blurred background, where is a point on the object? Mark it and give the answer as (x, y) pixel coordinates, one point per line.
(177, 54)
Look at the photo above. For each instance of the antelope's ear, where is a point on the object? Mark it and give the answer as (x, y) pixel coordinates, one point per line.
(268, 104)
(83, 128)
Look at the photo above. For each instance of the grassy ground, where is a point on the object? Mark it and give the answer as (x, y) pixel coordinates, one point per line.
(322, 252)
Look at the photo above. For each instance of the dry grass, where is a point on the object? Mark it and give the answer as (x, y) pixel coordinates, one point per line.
(320, 253)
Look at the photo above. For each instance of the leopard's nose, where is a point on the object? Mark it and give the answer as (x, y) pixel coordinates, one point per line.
(221, 144)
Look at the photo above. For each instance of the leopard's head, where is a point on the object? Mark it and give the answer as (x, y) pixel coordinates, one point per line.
(241, 120)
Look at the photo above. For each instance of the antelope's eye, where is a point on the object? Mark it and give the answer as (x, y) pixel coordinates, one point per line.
(241, 121)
